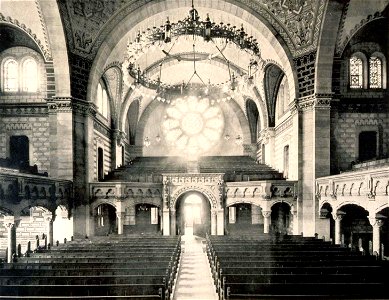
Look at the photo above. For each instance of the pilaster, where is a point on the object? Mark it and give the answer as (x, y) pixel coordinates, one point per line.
(313, 154)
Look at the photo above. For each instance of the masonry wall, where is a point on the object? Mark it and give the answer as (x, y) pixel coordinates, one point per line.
(345, 129)
(36, 128)
(283, 137)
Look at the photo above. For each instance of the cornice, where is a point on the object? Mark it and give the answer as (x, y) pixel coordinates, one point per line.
(71, 104)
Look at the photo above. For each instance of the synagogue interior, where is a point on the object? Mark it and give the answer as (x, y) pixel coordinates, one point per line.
(192, 149)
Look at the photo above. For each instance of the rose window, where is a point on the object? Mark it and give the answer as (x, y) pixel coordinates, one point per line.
(193, 125)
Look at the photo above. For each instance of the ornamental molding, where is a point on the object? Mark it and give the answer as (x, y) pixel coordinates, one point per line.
(284, 126)
(209, 184)
(368, 122)
(44, 48)
(317, 101)
(70, 104)
(18, 126)
(24, 109)
(267, 134)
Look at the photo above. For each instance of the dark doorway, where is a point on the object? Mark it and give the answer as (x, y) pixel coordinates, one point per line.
(105, 219)
(19, 151)
(280, 218)
(100, 164)
(367, 145)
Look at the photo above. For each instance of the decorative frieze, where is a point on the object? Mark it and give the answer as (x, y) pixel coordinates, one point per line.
(367, 188)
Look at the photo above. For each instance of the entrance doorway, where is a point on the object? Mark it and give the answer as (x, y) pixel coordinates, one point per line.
(193, 215)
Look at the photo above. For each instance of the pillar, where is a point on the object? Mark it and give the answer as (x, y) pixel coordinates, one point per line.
(294, 223)
(338, 230)
(9, 223)
(213, 222)
(266, 220)
(120, 220)
(220, 222)
(173, 222)
(314, 150)
(166, 221)
(376, 224)
(50, 232)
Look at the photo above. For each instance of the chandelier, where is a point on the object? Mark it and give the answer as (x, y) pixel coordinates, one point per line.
(196, 30)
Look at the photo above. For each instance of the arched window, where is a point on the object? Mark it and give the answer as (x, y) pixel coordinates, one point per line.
(30, 76)
(102, 100)
(356, 72)
(375, 76)
(11, 76)
(105, 104)
(99, 97)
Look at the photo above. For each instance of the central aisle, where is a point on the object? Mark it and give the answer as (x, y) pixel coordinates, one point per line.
(194, 280)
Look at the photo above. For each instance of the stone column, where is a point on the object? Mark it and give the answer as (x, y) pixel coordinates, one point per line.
(213, 222)
(166, 221)
(266, 220)
(172, 222)
(338, 230)
(9, 223)
(50, 233)
(293, 222)
(314, 150)
(220, 222)
(120, 219)
(376, 224)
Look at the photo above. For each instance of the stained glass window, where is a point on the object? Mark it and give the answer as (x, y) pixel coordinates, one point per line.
(193, 125)
(356, 73)
(30, 76)
(11, 76)
(375, 72)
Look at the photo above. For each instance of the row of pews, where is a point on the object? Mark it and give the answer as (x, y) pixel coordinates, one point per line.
(287, 267)
(119, 268)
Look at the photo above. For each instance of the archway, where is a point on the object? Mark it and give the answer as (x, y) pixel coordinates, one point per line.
(326, 223)
(62, 225)
(240, 219)
(280, 218)
(355, 227)
(147, 219)
(384, 230)
(105, 222)
(193, 214)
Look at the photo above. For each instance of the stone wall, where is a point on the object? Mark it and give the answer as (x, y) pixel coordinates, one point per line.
(36, 128)
(345, 129)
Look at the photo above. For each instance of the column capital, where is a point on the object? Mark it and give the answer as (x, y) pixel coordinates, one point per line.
(120, 215)
(338, 215)
(315, 101)
(266, 213)
(376, 222)
(9, 225)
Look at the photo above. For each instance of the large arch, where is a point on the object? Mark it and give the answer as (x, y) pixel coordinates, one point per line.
(58, 46)
(194, 188)
(326, 48)
(156, 12)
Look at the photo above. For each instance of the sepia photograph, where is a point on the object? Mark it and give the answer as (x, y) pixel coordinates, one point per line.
(194, 149)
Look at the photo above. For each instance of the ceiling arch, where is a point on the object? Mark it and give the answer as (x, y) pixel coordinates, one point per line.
(155, 12)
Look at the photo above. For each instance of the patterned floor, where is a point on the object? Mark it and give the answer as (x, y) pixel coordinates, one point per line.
(194, 279)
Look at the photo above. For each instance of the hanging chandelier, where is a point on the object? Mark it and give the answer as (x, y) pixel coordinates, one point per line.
(196, 31)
